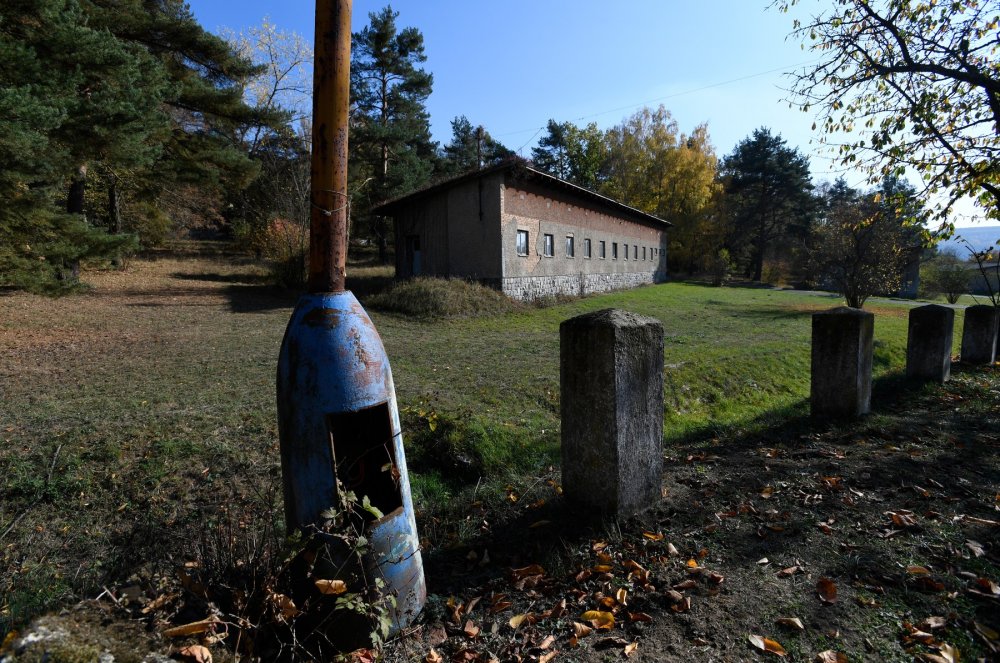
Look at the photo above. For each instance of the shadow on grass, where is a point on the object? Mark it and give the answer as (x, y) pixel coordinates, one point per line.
(215, 277)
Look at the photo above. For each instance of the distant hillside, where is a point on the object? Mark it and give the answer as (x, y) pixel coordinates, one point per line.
(980, 237)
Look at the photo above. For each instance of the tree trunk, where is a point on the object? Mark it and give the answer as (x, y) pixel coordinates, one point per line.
(114, 205)
(75, 205)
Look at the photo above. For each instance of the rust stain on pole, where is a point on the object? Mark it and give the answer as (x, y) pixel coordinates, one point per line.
(331, 102)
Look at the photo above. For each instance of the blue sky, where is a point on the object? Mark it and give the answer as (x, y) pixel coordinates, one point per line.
(511, 66)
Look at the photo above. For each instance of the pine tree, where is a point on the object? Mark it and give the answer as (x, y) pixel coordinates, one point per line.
(471, 148)
(391, 148)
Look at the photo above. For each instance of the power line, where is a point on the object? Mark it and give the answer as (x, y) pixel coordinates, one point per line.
(659, 99)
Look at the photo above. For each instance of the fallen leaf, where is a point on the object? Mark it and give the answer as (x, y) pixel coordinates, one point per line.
(932, 623)
(686, 584)
(630, 649)
(980, 521)
(827, 590)
(201, 626)
(516, 621)
(547, 642)
(196, 653)
(581, 630)
(766, 645)
(976, 548)
(672, 550)
(331, 587)
(789, 572)
(602, 621)
(830, 656)
(433, 657)
(545, 658)
(640, 617)
(767, 492)
(524, 572)
(791, 622)
(470, 629)
(918, 570)
(653, 536)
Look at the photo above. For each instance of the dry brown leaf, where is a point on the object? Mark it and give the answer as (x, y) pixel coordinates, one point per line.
(602, 568)
(158, 602)
(672, 550)
(545, 658)
(621, 595)
(789, 572)
(547, 642)
(433, 657)
(516, 621)
(653, 536)
(686, 584)
(331, 587)
(601, 620)
(640, 617)
(827, 590)
(914, 570)
(791, 622)
(976, 548)
(830, 656)
(932, 623)
(196, 653)
(531, 570)
(767, 492)
(766, 645)
(581, 630)
(470, 629)
(630, 649)
(193, 628)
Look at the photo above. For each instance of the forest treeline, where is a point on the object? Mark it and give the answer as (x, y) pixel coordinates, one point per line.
(125, 122)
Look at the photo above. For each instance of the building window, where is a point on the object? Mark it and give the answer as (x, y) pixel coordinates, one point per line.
(586, 248)
(522, 242)
(549, 248)
(625, 254)
(635, 252)
(614, 250)
(570, 249)
(644, 253)
(601, 251)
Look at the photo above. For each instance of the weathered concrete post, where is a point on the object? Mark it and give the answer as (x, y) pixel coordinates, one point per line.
(979, 334)
(611, 372)
(928, 342)
(841, 362)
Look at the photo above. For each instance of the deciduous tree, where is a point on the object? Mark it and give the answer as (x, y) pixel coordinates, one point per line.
(572, 153)
(919, 83)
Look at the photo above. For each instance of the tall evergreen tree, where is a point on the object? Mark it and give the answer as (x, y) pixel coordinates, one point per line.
(471, 148)
(70, 94)
(769, 195)
(391, 147)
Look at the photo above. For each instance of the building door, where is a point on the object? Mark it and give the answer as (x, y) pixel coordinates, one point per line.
(413, 254)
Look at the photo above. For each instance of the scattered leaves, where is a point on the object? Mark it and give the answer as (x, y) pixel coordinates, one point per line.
(196, 654)
(830, 656)
(791, 622)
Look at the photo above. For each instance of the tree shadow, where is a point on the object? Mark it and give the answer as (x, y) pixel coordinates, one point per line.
(215, 277)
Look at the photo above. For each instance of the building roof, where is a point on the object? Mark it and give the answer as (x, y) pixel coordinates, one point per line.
(521, 170)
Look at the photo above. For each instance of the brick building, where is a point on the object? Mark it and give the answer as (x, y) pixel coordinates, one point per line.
(526, 233)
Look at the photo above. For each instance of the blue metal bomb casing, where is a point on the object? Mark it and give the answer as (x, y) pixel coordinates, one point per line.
(337, 418)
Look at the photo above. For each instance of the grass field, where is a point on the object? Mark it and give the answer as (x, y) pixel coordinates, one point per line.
(139, 416)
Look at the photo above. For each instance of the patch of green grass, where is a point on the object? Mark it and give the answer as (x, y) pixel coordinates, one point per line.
(432, 298)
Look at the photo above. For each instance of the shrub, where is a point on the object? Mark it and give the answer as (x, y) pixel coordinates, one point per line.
(442, 298)
(284, 245)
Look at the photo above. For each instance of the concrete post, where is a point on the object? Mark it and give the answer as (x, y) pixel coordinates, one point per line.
(928, 343)
(979, 334)
(611, 373)
(841, 362)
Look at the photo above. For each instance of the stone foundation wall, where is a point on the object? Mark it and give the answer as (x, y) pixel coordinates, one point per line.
(527, 288)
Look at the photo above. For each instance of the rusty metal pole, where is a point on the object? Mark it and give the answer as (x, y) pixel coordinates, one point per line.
(331, 103)
(338, 421)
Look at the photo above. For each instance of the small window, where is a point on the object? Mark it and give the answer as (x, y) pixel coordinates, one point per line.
(602, 250)
(570, 249)
(625, 253)
(586, 248)
(550, 246)
(635, 252)
(614, 250)
(644, 253)
(522, 242)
